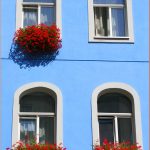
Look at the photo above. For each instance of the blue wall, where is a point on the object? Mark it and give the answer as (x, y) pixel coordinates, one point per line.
(78, 79)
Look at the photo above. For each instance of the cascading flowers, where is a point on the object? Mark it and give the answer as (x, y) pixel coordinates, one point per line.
(38, 39)
(116, 146)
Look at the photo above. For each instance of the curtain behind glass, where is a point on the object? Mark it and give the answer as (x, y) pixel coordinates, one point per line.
(30, 17)
(101, 21)
(118, 23)
(27, 130)
(46, 130)
(48, 15)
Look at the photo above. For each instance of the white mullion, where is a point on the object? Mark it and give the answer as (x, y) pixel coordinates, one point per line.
(22, 13)
(36, 114)
(109, 5)
(110, 22)
(39, 14)
(116, 129)
(37, 129)
(115, 114)
(46, 4)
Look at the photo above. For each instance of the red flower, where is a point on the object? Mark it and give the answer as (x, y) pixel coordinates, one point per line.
(38, 38)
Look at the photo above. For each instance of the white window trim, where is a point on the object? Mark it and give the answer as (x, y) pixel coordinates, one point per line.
(19, 13)
(135, 100)
(93, 38)
(50, 88)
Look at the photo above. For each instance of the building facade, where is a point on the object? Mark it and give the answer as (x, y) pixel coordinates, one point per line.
(96, 87)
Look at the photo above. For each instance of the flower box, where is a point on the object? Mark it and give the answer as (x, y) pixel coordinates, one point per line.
(116, 146)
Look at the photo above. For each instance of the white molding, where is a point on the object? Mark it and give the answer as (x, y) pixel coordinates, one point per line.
(19, 16)
(128, 91)
(45, 87)
(129, 24)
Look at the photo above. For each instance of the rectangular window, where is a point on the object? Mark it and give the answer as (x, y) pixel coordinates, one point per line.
(110, 21)
(37, 13)
(34, 12)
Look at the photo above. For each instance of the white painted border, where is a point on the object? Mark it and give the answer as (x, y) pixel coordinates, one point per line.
(129, 39)
(47, 87)
(126, 89)
(19, 14)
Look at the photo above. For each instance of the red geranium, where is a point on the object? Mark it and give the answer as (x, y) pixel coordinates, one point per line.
(38, 39)
(116, 146)
(22, 146)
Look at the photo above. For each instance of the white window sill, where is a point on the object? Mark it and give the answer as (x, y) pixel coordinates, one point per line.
(106, 39)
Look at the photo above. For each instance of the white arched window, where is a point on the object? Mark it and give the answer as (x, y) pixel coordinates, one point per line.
(116, 114)
(37, 112)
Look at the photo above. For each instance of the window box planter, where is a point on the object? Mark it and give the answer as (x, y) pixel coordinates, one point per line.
(34, 146)
(116, 146)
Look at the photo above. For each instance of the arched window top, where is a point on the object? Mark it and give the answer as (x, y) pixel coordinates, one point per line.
(37, 102)
(114, 103)
(105, 119)
(27, 113)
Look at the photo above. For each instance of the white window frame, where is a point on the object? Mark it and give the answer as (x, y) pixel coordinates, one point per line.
(19, 12)
(31, 87)
(37, 118)
(135, 101)
(128, 21)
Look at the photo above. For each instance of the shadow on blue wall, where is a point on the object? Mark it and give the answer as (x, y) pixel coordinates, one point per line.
(28, 60)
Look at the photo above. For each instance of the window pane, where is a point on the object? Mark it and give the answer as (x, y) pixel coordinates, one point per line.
(27, 130)
(37, 102)
(125, 130)
(106, 130)
(46, 130)
(118, 22)
(101, 21)
(114, 103)
(30, 16)
(48, 15)
(40, 1)
(108, 1)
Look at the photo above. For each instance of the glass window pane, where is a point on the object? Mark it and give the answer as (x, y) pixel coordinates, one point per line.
(37, 102)
(48, 15)
(40, 1)
(30, 16)
(27, 130)
(125, 130)
(118, 22)
(46, 130)
(106, 130)
(114, 103)
(108, 1)
(101, 21)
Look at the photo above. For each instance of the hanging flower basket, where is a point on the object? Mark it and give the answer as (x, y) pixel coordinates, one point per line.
(36, 45)
(38, 39)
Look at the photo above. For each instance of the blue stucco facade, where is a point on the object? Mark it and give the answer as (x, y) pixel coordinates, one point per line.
(75, 73)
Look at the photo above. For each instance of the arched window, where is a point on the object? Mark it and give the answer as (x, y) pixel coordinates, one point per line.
(37, 113)
(116, 114)
(115, 117)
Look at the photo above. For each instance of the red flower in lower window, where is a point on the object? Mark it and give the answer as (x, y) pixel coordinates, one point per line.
(116, 146)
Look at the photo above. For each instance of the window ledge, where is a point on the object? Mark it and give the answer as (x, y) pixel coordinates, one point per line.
(104, 39)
